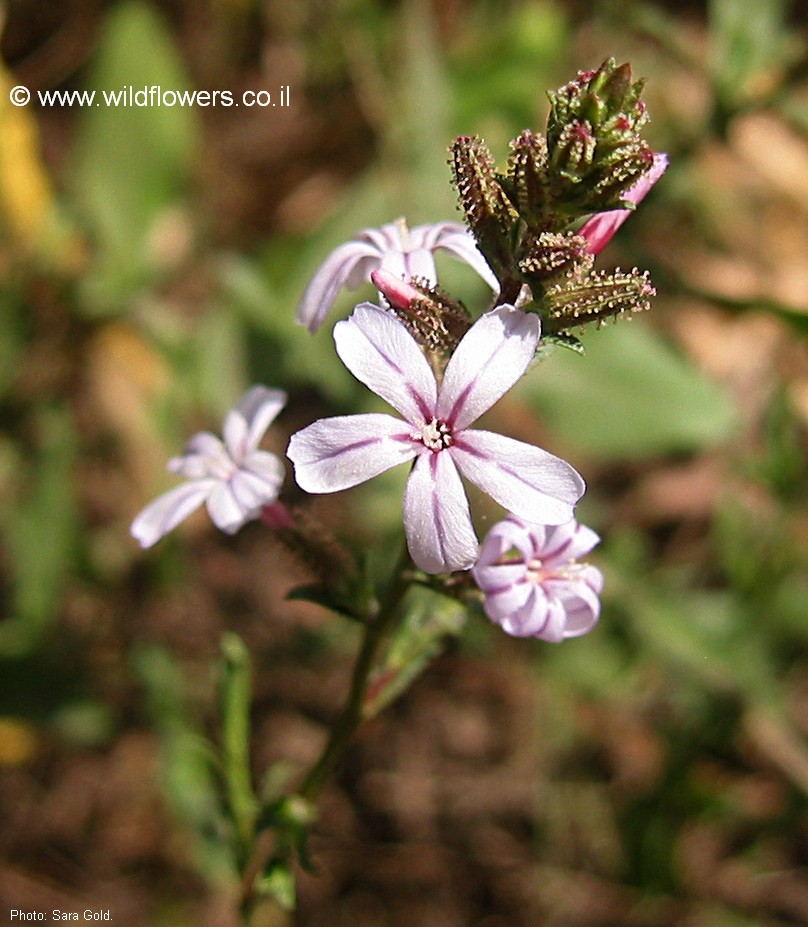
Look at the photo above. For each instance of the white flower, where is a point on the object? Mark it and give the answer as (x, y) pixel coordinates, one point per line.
(337, 453)
(533, 584)
(405, 253)
(233, 478)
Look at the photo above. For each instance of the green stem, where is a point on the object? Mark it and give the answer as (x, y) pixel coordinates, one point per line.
(235, 708)
(378, 624)
(352, 715)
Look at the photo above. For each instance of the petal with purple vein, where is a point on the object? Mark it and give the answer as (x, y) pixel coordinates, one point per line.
(526, 480)
(337, 453)
(437, 522)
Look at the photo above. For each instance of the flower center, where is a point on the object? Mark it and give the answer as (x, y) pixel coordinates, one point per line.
(436, 435)
(538, 573)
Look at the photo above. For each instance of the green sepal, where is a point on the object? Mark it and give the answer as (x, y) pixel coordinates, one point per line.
(562, 340)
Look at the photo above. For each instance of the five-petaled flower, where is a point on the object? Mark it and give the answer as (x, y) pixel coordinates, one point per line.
(337, 453)
(234, 478)
(406, 253)
(600, 229)
(532, 583)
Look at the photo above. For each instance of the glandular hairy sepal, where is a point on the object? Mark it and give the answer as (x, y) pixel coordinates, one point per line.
(596, 297)
(621, 169)
(489, 213)
(436, 321)
(573, 155)
(527, 173)
(550, 255)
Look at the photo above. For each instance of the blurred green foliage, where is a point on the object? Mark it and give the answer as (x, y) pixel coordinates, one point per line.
(131, 163)
(629, 396)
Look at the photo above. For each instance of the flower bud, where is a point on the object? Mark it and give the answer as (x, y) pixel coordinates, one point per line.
(489, 213)
(436, 321)
(594, 148)
(595, 297)
(527, 172)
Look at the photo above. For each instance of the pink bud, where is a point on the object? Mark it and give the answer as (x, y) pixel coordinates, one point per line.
(401, 295)
(600, 229)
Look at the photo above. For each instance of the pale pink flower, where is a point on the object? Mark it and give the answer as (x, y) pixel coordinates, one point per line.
(337, 453)
(406, 253)
(533, 584)
(600, 229)
(234, 478)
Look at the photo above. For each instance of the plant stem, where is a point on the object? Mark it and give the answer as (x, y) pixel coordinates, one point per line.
(376, 629)
(379, 622)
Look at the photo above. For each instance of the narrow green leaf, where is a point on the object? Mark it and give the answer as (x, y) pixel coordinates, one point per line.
(419, 638)
(188, 760)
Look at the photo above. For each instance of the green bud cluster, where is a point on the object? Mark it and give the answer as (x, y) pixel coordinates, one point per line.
(525, 218)
(594, 149)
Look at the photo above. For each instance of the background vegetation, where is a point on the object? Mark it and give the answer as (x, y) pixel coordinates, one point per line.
(653, 773)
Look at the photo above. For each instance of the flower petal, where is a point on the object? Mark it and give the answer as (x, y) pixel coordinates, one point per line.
(379, 351)
(205, 456)
(429, 235)
(526, 480)
(511, 533)
(246, 423)
(562, 543)
(501, 605)
(394, 262)
(168, 510)
(336, 453)
(258, 485)
(554, 624)
(342, 267)
(225, 510)
(393, 236)
(491, 357)
(579, 600)
(420, 264)
(531, 617)
(495, 578)
(440, 536)
(463, 247)
(267, 467)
